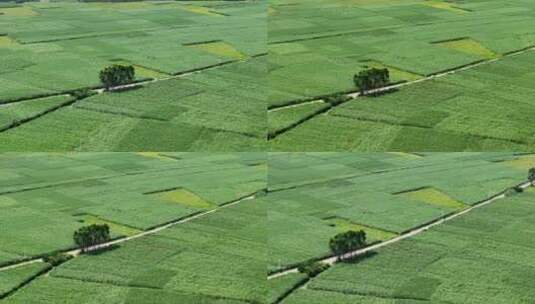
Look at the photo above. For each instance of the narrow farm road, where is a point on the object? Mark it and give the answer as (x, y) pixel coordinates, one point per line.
(333, 259)
(77, 252)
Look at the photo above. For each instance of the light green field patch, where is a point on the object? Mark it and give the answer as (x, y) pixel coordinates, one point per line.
(523, 162)
(200, 10)
(156, 155)
(287, 48)
(6, 201)
(434, 197)
(469, 46)
(406, 155)
(123, 5)
(395, 73)
(184, 197)
(445, 6)
(220, 48)
(115, 228)
(6, 42)
(372, 233)
(142, 70)
(22, 11)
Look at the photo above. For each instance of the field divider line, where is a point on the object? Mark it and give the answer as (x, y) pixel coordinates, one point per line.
(77, 252)
(355, 95)
(408, 234)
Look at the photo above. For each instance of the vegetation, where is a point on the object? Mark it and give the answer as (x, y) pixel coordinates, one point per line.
(91, 235)
(45, 59)
(531, 175)
(371, 79)
(116, 75)
(347, 242)
(57, 258)
(312, 268)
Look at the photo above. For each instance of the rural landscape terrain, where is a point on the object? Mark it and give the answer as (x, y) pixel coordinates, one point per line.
(446, 228)
(460, 75)
(199, 69)
(194, 228)
(184, 228)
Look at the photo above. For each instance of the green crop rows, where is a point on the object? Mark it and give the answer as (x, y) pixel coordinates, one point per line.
(296, 203)
(59, 193)
(46, 51)
(317, 46)
(484, 257)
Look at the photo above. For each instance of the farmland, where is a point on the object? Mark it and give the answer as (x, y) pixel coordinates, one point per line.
(206, 227)
(484, 257)
(483, 105)
(185, 218)
(199, 64)
(384, 194)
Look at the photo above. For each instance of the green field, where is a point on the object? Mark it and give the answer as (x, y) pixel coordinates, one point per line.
(59, 193)
(186, 234)
(207, 59)
(484, 257)
(313, 196)
(486, 108)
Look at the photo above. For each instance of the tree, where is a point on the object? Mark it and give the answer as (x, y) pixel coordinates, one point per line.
(91, 235)
(371, 79)
(116, 75)
(531, 175)
(346, 242)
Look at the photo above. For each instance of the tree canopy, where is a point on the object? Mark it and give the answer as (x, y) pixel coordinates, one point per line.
(116, 75)
(531, 175)
(370, 79)
(347, 241)
(91, 235)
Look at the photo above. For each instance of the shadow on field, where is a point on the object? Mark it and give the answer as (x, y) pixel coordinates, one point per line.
(103, 250)
(377, 94)
(359, 258)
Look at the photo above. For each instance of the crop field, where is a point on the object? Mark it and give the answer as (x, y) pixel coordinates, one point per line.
(200, 65)
(480, 108)
(314, 196)
(484, 257)
(206, 227)
(59, 193)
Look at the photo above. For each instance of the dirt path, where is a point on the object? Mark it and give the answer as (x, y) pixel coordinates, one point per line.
(77, 252)
(332, 260)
